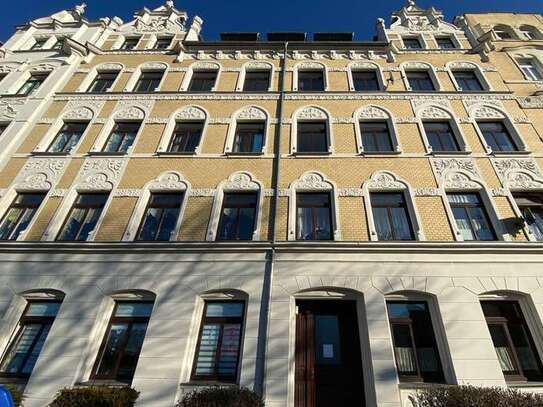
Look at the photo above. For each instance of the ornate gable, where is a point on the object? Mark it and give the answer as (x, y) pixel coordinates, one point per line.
(163, 19)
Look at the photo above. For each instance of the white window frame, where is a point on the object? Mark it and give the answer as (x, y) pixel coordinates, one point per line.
(113, 67)
(247, 114)
(147, 67)
(241, 181)
(467, 66)
(133, 113)
(504, 28)
(432, 113)
(83, 114)
(151, 44)
(313, 181)
(438, 327)
(414, 66)
(535, 65)
(386, 181)
(170, 181)
(452, 37)
(311, 113)
(118, 45)
(255, 66)
(374, 113)
(481, 113)
(365, 67)
(200, 66)
(534, 35)
(190, 113)
(419, 37)
(309, 66)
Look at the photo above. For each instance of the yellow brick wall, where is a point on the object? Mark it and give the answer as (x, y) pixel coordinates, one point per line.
(43, 218)
(196, 219)
(116, 219)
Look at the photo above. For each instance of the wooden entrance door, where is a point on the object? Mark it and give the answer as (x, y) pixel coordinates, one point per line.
(328, 365)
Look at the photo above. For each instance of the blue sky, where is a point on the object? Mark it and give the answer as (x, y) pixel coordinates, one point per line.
(358, 16)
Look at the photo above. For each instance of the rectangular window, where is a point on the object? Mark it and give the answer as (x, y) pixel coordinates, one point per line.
(67, 138)
(470, 215)
(530, 69)
(390, 216)
(445, 43)
(163, 43)
(203, 81)
(3, 127)
(249, 137)
(440, 136)
(513, 341)
(32, 84)
(503, 34)
(122, 344)
(313, 216)
(531, 208)
(312, 137)
(415, 346)
(83, 216)
(122, 137)
(310, 81)
(497, 136)
(186, 137)
(256, 81)
(103, 82)
(160, 218)
(420, 81)
(365, 81)
(58, 43)
(39, 43)
(467, 81)
(238, 216)
(219, 343)
(26, 346)
(412, 43)
(130, 43)
(19, 215)
(149, 81)
(375, 136)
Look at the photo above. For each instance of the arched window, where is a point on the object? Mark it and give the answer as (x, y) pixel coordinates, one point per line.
(418, 337)
(159, 211)
(309, 77)
(375, 131)
(184, 132)
(467, 77)
(496, 131)
(530, 33)
(201, 77)
(255, 76)
(440, 131)
(313, 208)
(248, 131)
(419, 77)
(504, 32)
(365, 77)
(124, 336)
(28, 339)
(311, 131)
(101, 78)
(148, 77)
(512, 323)
(237, 209)
(530, 67)
(390, 208)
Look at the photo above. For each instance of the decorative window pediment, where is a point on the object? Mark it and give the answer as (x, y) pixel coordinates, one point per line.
(385, 180)
(312, 181)
(130, 113)
(168, 181)
(191, 113)
(241, 181)
(481, 111)
(518, 174)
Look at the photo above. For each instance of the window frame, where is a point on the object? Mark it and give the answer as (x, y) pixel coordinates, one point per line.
(174, 231)
(141, 78)
(390, 219)
(57, 134)
(92, 233)
(238, 207)
(32, 91)
(130, 39)
(390, 136)
(465, 206)
(488, 147)
(530, 319)
(221, 320)
(417, 71)
(13, 204)
(313, 216)
(418, 38)
(517, 209)
(116, 122)
(112, 319)
(249, 72)
(173, 136)
(162, 40)
(528, 71)
(451, 38)
(238, 123)
(309, 66)
(24, 320)
(456, 134)
(203, 71)
(95, 78)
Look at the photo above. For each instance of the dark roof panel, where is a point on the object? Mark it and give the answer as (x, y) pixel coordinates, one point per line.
(283, 37)
(333, 37)
(239, 36)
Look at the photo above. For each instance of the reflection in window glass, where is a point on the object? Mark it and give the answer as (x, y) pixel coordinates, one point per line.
(375, 136)
(122, 137)
(497, 136)
(390, 216)
(531, 208)
(238, 216)
(249, 137)
(19, 215)
(83, 217)
(314, 216)
(67, 138)
(161, 216)
(471, 217)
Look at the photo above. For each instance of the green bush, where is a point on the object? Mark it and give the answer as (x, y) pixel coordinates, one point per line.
(221, 397)
(16, 394)
(99, 396)
(471, 396)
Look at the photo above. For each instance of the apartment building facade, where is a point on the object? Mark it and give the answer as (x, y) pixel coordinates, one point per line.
(323, 221)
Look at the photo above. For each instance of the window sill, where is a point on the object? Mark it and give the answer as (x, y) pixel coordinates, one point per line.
(524, 384)
(445, 153)
(312, 153)
(8, 379)
(176, 153)
(374, 153)
(102, 382)
(51, 153)
(505, 153)
(107, 153)
(208, 383)
(241, 154)
(420, 385)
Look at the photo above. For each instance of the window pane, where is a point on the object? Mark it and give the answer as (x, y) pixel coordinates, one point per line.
(186, 137)
(375, 136)
(313, 216)
(114, 343)
(327, 340)
(365, 81)
(133, 309)
(310, 81)
(405, 353)
(531, 208)
(312, 137)
(412, 43)
(445, 43)
(19, 215)
(131, 352)
(238, 216)
(420, 80)
(36, 350)
(249, 137)
(149, 81)
(103, 81)
(467, 80)
(122, 137)
(42, 309)
(471, 217)
(390, 216)
(83, 217)
(256, 81)
(202, 81)
(440, 136)
(68, 137)
(20, 350)
(161, 215)
(224, 309)
(228, 360)
(497, 136)
(209, 338)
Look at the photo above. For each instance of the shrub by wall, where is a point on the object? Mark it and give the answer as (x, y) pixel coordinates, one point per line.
(221, 397)
(98, 396)
(471, 396)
